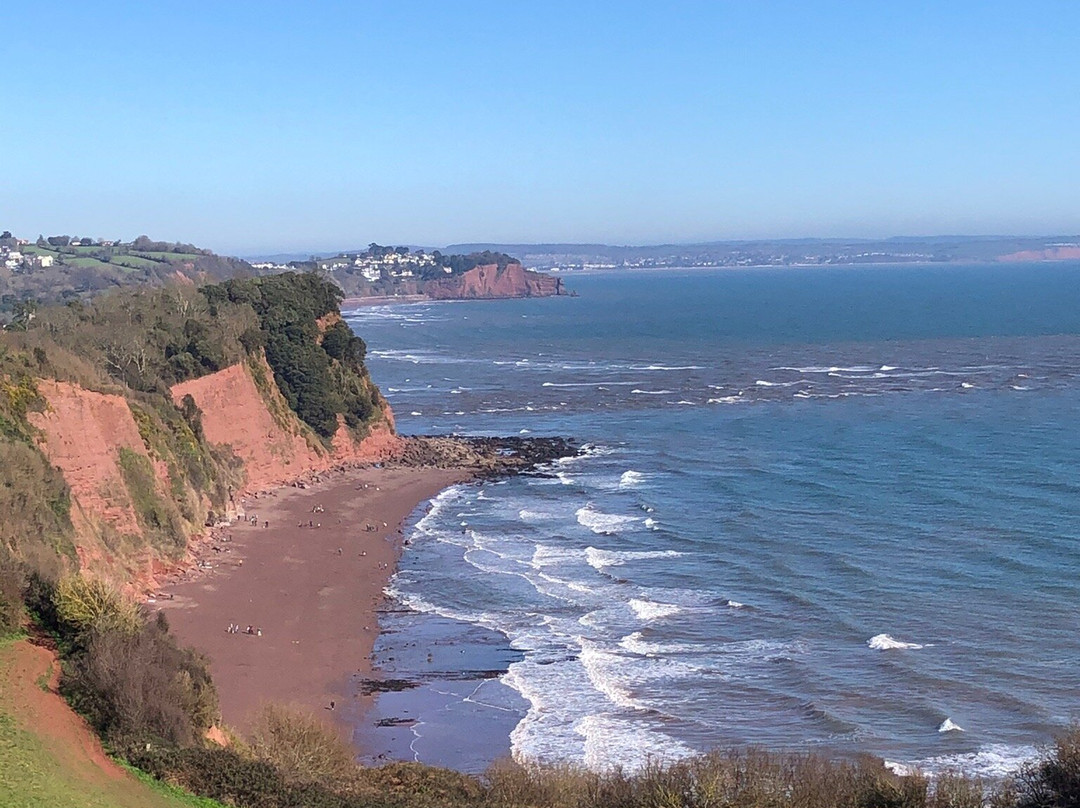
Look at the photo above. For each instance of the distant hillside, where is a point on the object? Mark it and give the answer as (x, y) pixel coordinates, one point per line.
(61, 268)
(382, 271)
(790, 252)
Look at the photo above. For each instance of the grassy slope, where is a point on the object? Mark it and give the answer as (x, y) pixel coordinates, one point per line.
(49, 758)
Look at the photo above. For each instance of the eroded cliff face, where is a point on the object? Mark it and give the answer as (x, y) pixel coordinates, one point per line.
(83, 433)
(489, 281)
(270, 441)
(90, 436)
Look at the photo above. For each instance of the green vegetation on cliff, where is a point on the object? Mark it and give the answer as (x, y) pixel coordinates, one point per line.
(137, 344)
(321, 375)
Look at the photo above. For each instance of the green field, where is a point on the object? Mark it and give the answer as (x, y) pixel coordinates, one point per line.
(135, 260)
(169, 256)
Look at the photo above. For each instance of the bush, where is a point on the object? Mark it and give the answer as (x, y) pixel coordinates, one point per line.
(1054, 781)
(12, 588)
(302, 747)
(83, 604)
(138, 688)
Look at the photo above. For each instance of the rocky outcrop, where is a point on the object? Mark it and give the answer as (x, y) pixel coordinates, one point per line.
(489, 281)
(255, 422)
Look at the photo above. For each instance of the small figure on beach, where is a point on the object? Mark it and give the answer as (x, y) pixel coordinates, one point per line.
(258, 632)
(266, 524)
(339, 551)
(331, 706)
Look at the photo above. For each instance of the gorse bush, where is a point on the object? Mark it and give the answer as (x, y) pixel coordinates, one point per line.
(84, 603)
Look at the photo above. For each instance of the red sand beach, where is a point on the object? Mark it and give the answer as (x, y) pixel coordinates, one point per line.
(313, 591)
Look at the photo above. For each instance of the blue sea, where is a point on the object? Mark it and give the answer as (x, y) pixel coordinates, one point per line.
(831, 509)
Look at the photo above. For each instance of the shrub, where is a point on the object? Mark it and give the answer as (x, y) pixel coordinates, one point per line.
(12, 586)
(1053, 781)
(302, 747)
(84, 603)
(138, 688)
(159, 518)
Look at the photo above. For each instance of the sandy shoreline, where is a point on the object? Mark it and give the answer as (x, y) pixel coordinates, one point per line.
(314, 591)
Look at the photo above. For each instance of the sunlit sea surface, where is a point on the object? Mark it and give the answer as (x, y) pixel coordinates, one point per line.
(822, 508)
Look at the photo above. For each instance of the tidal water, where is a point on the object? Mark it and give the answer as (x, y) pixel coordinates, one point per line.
(822, 508)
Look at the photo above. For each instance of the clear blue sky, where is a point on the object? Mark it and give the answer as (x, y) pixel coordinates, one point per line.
(265, 126)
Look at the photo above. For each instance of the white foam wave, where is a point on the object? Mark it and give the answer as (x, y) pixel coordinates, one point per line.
(764, 383)
(884, 642)
(649, 610)
(602, 523)
(636, 643)
(990, 761)
(526, 515)
(667, 367)
(601, 559)
(651, 523)
(611, 742)
(631, 479)
(604, 671)
(640, 392)
(948, 725)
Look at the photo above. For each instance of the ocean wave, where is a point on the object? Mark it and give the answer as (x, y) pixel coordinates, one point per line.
(948, 725)
(884, 642)
(728, 400)
(640, 392)
(636, 643)
(416, 603)
(990, 761)
(764, 383)
(605, 524)
(525, 515)
(649, 610)
(601, 559)
(832, 369)
(631, 479)
(667, 367)
(605, 671)
(614, 742)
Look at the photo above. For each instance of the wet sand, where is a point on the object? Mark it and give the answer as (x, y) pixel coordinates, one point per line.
(313, 591)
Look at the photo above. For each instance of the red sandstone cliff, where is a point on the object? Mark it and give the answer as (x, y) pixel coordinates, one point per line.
(267, 437)
(83, 433)
(489, 281)
(1064, 253)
